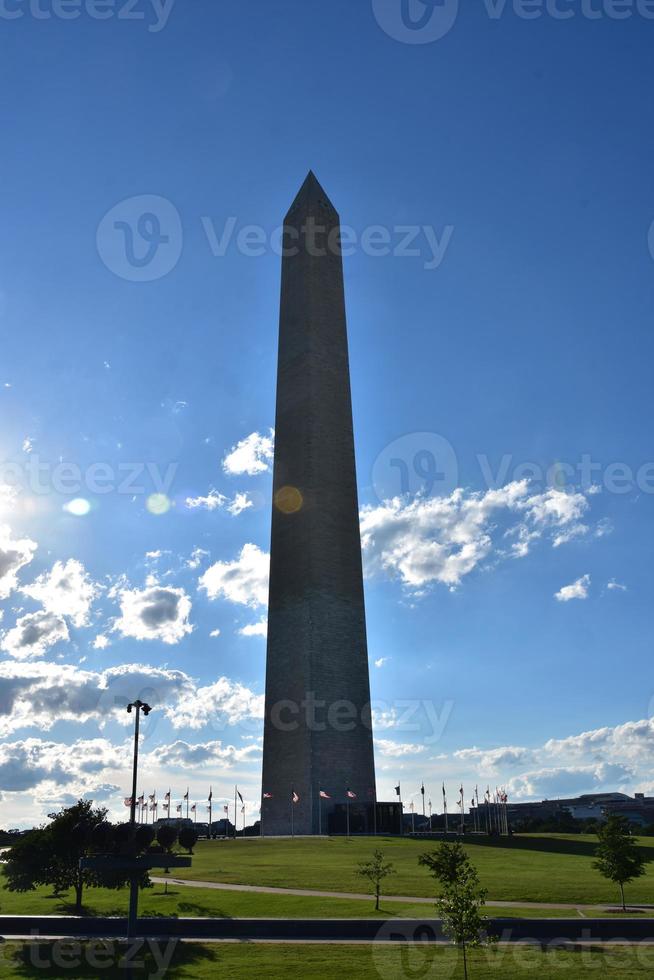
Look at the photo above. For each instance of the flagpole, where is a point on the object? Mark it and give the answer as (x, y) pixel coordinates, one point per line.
(292, 815)
(347, 834)
(319, 814)
(210, 810)
(235, 810)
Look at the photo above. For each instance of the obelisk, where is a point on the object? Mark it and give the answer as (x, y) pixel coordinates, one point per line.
(317, 730)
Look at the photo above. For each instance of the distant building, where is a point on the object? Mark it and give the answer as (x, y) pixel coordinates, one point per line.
(588, 806)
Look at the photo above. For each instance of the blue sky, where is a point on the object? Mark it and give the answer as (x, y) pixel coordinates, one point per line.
(513, 156)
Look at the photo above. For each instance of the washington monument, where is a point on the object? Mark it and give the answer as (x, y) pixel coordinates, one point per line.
(317, 732)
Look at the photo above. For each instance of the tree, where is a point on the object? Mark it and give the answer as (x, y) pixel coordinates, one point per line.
(462, 897)
(51, 854)
(618, 857)
(167, 836)
(375, 871)
(445, 863)
(188, 838)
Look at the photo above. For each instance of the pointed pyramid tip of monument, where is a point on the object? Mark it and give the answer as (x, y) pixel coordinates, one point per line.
(312, 194)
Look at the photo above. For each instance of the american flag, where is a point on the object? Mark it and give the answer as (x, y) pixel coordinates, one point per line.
(210, 795)
(226, 809)
(267, 796)
(141, 799)
(179, 807)
(295, 797)
(193, 808)
(324, 796)
(152, 797)
(186, 795)
(239, 796)
(351, 795)
(127, 801)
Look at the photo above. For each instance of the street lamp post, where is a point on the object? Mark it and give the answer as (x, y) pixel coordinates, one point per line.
(137, 707)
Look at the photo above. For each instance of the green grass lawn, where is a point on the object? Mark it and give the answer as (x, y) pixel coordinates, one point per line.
(554, 869)
(550, 868)
(208, 903)
(269, 962)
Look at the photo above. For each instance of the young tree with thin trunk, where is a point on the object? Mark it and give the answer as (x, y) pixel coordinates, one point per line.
(376, 871)
(618, 857)
(462, 898)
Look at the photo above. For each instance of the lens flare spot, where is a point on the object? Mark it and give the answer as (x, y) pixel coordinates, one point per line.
(158, 504)
(289, 500)
(79, 507)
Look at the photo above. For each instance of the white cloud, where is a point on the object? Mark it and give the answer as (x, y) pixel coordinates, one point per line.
(214, 633)
(240, 503)
(42, 694)
(182, 755)
(14, 555)
(154, 613)
(223, 703)
(101, 642)
(256, 629)
(216, 501)
(396, 750)
(213, 501)
(495, 760)
(568, 781)
(602, 759)
(66, 590)
(34, 634)
(381, 662)
(632, 741)
(575, 531)
(243, 581)
(251, 455)
(614, 586)
(443, 539)
(197, 557)
(26, 764)
(577, 590)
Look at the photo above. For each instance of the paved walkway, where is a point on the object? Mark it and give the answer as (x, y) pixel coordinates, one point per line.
(313, 893)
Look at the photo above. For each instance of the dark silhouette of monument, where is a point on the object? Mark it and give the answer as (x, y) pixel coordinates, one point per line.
(318, 733)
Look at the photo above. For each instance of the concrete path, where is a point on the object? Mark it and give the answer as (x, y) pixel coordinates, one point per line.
(313, 893)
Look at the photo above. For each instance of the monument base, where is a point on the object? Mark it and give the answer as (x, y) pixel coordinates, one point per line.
(365, 818)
